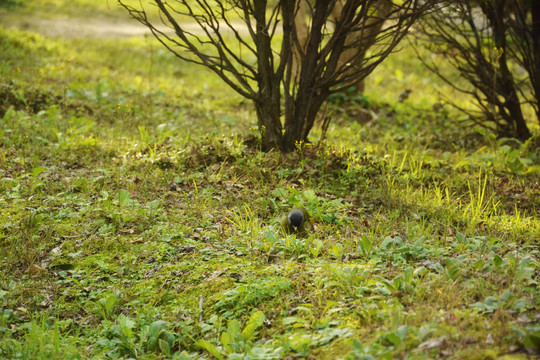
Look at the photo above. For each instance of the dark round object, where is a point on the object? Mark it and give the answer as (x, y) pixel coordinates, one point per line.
(296, 218)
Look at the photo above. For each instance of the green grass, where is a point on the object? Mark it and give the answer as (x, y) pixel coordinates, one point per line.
(78, 8)
(136, 222)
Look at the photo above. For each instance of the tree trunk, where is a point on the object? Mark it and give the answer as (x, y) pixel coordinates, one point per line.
(521, 131)
(300, 115)
(495, 12)
(269, 126)
(267, 102)
(301, 118)
(535, 78)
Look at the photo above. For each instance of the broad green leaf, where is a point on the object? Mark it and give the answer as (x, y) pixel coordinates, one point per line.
(38, 170)
(226, 341)
(126, 322)
(393, 339)
(497, 260)
(184, 355)
(532, 340)
(233, 329)
(165, 347)
(291, 320)
(156, 327)
(533, 169)
(255, 321)
(124, 197)
(420, 271)
(210, 348)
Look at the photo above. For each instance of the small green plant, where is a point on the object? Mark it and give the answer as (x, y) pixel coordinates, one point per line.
(128, 337)
(365, 245)
(308, 317)
(237, 343)
(337, 251)
(146, 142)
(531, 338)
(34, 232)
(320, 209)
(410, 282)
(108, 306)
(399, 251)
(244, 220)
(349, 95)
(7, 316)
(367, 352)
(302, 343)
(514, 161)
(41, 340)
(243, 297)
(480, 207)
(506, 301)
(315, 247)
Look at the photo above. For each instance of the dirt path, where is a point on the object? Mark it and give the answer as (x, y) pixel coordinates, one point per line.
(72, 28)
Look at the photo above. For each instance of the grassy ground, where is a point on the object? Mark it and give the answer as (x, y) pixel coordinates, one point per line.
(137, 221)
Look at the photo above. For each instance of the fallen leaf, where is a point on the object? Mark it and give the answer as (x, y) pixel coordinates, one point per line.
(216, 274)
(433, 343)
(56, 250)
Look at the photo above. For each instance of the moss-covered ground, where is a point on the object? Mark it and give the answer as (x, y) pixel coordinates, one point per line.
(138, 219)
